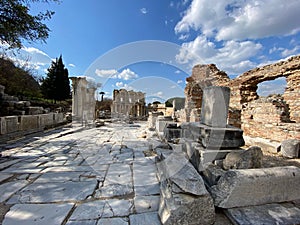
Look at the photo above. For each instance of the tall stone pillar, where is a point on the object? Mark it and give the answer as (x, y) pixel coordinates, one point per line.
(83, 100)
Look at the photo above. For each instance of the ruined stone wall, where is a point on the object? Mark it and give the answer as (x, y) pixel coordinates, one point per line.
(243, 88)
(17, 126)
(269, 118)
(276, 119)
(202, 76)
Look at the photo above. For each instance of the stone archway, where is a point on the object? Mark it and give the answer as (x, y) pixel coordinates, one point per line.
(244, 87)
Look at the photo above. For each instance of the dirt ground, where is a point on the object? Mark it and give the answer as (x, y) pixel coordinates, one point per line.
(273, 160)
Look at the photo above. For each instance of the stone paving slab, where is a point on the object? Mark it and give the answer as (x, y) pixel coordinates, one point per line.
(9, 188)
(37, 214)
(92, 177)
(112, 221)
(145, 219)
(82, 222)
(146, 203)
(102, 209)
(4, 176)
(54, 192)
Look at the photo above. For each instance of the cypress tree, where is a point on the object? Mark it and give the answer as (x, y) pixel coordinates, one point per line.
(56, 85)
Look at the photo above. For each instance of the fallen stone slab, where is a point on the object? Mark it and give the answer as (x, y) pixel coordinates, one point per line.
(248, 159)
(281, 214)
(35, 214)
(246, 187)
(212, 173)
(178, 170)
(184, 198)
(265, 144)
(291, 148)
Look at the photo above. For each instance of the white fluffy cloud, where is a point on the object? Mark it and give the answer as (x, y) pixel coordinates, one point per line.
(240, 20)
(106, 73)
(126, 74)
(122, 85)
(229, 32)
(144, 10)
(232, 56)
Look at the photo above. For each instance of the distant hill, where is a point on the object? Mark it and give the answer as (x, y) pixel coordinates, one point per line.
(17, 81)
(179, 102)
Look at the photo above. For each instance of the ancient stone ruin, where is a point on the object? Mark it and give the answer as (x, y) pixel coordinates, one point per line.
(19, 118)
(83, 100)
(208, 167)
(128, 104)
(275, 118)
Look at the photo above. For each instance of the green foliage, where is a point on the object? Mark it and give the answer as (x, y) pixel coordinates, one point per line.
(179, 102)
(17, 81)
(156, 102)
(16, 22)
(103, 105)
(56, 85)
(168, 104)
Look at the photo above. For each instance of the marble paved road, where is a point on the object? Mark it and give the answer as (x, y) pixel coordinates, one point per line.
(93, 176)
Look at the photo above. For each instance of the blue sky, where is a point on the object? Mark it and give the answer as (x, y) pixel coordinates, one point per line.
(235, 35)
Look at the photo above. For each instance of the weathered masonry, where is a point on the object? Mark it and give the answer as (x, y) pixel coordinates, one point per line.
(83, 100)
(276, 118)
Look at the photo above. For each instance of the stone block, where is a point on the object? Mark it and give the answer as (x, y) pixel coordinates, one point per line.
(181, 208)
(2, 125)
(264, 144)
(172, 132)
(32, 110)
(161, 122)
(213, 137)
(58, 118)
(212, 174)
(184, 198)
(215, 103)
(30, 122)
(12, 124)
(291, 148)
(210, 155)
(284, 213)
(248, 159)
(246, 187)
(228, 137)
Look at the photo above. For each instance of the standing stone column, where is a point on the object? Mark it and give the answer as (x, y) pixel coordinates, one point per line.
(215, 105)
(83, 100)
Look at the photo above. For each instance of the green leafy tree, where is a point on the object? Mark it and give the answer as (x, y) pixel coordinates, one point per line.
(17, 24)
(17, 81)
(56, 85)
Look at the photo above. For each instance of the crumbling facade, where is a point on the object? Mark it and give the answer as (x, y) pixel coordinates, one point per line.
(276, 119)
(128, 104)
